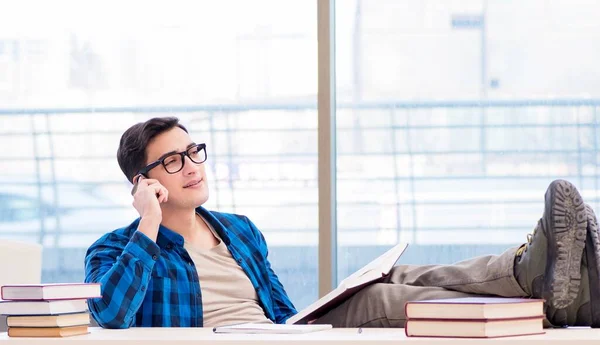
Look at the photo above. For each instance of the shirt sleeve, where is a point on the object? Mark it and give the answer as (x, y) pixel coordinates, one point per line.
(123, 267)
(282, 305)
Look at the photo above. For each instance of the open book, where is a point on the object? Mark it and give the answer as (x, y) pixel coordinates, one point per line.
(371, 273)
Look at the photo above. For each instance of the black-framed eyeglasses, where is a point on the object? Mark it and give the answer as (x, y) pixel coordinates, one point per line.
(174, 162)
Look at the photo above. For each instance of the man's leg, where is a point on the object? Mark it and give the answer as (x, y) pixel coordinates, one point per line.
(382, 305)
(549, 266)
(482, 275)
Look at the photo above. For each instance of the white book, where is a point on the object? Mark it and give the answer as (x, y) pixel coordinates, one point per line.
(373, 272)
(50, 291)
(266, 328)
(43, 307)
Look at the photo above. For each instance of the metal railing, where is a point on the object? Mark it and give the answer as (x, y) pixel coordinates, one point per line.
(409, 179)
(476, 119)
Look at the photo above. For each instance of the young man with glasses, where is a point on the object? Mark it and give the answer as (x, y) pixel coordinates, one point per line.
(180, 265)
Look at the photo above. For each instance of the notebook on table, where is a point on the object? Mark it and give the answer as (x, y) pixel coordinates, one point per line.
(255, 328)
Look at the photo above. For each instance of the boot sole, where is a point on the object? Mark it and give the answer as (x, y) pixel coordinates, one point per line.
(566, 230)
(593, 258)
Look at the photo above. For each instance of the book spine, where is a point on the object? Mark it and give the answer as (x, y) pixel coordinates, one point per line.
(54, 299)
(539, 317)
(475, 337)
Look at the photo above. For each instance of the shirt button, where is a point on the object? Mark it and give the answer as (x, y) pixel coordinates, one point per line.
(143, 288)
(154, 257)
(169, 246)
(239, 260)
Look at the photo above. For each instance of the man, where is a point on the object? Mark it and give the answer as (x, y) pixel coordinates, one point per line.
(180, 265)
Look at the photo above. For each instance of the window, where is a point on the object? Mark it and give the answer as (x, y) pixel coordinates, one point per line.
(452, 119)
(244, 81)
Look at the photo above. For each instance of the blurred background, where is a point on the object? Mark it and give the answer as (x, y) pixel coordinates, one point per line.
(452, 119)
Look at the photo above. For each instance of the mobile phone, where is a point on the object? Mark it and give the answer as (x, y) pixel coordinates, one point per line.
(136, 179)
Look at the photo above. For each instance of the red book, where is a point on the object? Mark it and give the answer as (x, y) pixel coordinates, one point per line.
(48, 292)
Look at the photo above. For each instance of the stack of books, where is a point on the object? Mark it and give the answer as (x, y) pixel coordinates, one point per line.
(483, 317)
(47, 310)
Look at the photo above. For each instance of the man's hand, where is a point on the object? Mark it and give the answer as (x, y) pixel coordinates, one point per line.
(148, 196)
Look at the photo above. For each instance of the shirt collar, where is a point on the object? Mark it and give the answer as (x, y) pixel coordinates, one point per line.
(216, 224)
(167, 236)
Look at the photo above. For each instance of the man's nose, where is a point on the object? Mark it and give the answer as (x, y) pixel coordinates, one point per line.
(188, 165)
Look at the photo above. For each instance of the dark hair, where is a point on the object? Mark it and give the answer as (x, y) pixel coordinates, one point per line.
(131, 154)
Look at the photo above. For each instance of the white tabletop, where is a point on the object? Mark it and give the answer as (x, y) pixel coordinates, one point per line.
(156, 336)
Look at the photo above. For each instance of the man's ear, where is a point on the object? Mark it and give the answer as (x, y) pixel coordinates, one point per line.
(135, 178)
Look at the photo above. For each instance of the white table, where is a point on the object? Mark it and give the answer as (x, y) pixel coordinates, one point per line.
(196, 336)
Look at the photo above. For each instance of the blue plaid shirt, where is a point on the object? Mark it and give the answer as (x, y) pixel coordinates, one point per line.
(148, 284)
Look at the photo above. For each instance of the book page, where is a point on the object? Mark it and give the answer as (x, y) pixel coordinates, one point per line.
(375, 268)
(372, 272)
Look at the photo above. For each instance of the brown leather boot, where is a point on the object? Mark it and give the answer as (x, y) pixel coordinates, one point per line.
(548, 266)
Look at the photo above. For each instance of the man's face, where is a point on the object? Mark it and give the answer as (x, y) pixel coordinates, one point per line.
(181, 193)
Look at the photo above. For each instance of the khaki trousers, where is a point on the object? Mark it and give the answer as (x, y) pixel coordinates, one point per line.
(382, 304)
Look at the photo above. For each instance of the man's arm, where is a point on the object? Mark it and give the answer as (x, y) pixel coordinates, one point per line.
(123, 268)
(283, 306)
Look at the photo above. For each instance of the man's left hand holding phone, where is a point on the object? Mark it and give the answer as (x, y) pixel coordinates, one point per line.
(148, 194)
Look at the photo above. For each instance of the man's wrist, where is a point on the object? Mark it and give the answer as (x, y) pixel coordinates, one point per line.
(149, 226)
(152, 218)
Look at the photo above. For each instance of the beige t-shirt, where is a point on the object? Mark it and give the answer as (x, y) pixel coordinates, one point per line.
(228, 296)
